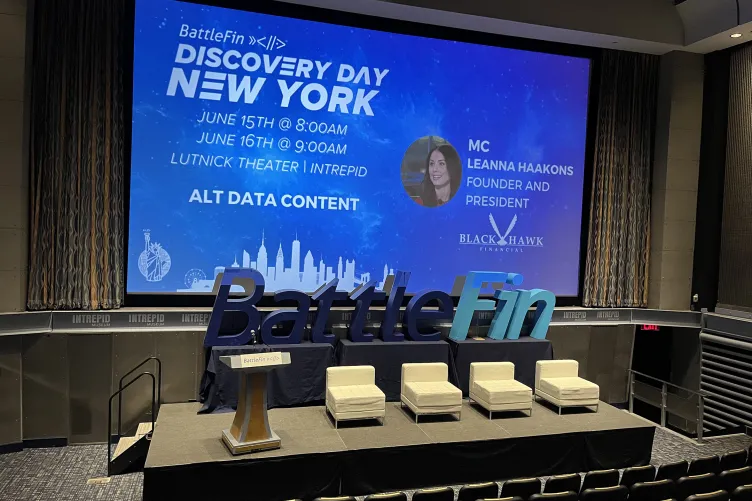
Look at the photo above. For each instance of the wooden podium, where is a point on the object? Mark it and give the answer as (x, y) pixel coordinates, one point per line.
(250, 430)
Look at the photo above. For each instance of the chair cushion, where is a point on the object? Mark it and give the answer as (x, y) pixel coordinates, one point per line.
(556, 368)
(502, 391)
(433, 393)
(356, 398)
(486, 371)
(350, 375)
(435, 371)
(569, 388)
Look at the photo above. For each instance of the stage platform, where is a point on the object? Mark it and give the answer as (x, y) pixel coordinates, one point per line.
(187, 459)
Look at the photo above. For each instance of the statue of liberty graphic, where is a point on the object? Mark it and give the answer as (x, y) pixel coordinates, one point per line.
(154, 262)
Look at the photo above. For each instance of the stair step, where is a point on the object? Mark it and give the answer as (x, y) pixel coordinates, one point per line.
(143, 429)
(123, 444)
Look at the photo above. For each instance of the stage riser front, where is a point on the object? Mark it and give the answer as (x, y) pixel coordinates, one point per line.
(383, 470)
(187, 458)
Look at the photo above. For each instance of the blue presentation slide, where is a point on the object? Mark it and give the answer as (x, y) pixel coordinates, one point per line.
(311, 151)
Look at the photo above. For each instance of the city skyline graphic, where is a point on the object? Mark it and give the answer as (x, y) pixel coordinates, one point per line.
(279, 277)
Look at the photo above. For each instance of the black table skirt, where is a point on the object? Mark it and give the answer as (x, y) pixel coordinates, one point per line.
(523, 352)
(388, 358)
(303, 381)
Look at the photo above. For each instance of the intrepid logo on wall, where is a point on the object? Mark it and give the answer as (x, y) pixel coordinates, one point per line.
(195, 318)
(92, 319)
(147, 319)
(509, 307)
(498, 241)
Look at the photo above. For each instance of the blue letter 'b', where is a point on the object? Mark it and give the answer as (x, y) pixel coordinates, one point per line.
(245, 278)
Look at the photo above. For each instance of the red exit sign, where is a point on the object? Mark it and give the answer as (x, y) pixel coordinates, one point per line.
(648, 327)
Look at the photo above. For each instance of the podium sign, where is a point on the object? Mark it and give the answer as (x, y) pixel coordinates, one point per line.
(250, 430)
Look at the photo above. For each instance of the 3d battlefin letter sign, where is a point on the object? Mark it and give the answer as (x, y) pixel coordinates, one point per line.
(510, 306)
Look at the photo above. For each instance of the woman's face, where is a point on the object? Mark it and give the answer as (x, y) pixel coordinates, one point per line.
(437, 169)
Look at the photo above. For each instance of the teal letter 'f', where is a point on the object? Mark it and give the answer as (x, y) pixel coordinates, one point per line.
(469, 301)
(512, 310)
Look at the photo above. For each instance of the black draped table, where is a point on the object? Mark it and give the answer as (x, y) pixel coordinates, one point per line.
(523, 352)
(388, 358)
(303, 381)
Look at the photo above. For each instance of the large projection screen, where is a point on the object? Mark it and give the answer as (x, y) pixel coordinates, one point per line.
(313, 151)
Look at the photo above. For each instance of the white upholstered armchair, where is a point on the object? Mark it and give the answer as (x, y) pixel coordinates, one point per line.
(557, 381)
(493, 387)
(426, 390)
(351, 393)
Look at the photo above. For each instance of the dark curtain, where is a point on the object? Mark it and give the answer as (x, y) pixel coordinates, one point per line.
(735, 272)
(77, 155)
(617, 264)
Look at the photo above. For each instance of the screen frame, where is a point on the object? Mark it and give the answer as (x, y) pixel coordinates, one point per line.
(322, 15)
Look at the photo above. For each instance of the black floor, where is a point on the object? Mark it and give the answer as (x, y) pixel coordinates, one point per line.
(184, 437)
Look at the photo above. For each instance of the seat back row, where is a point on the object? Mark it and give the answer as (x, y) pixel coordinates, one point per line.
(679, 481)
(710, 464)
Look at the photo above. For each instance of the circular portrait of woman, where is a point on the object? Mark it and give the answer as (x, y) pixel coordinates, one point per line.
(431, 171)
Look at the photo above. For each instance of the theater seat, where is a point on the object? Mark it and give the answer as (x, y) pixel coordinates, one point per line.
(696, 484)
(733, 460)
(523, 487)
(388, 496)
(426, 390)
(337, 498)
(493, 387)
(729, 480)
(658, 490)
(484, 490)
(615, 493)
(637, 474)
(710, 464)
(742, 493)
(600, 478)
(563, 483)
(672, 471)
(557, 382)
(351, 393)
(710, 496)
(555, 496)
(435, 494)
(513, 498)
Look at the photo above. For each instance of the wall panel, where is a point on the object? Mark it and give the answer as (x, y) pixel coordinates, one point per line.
(128, 350)
(604, 353)
(45, 386)
(90, 373)
(178, 353)
(601, 359)
(10, 390)
(571, 343)
(622, 363)
(200, 361)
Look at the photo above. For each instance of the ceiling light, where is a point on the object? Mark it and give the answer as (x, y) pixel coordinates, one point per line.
(736, 35)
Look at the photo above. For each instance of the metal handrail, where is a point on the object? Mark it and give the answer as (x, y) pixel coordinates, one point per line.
(701, 394)
(109, 410)
(695, 392)
(120, 387)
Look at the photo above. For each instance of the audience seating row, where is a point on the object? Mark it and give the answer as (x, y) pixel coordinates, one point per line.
(480, 492)
(705, 479)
